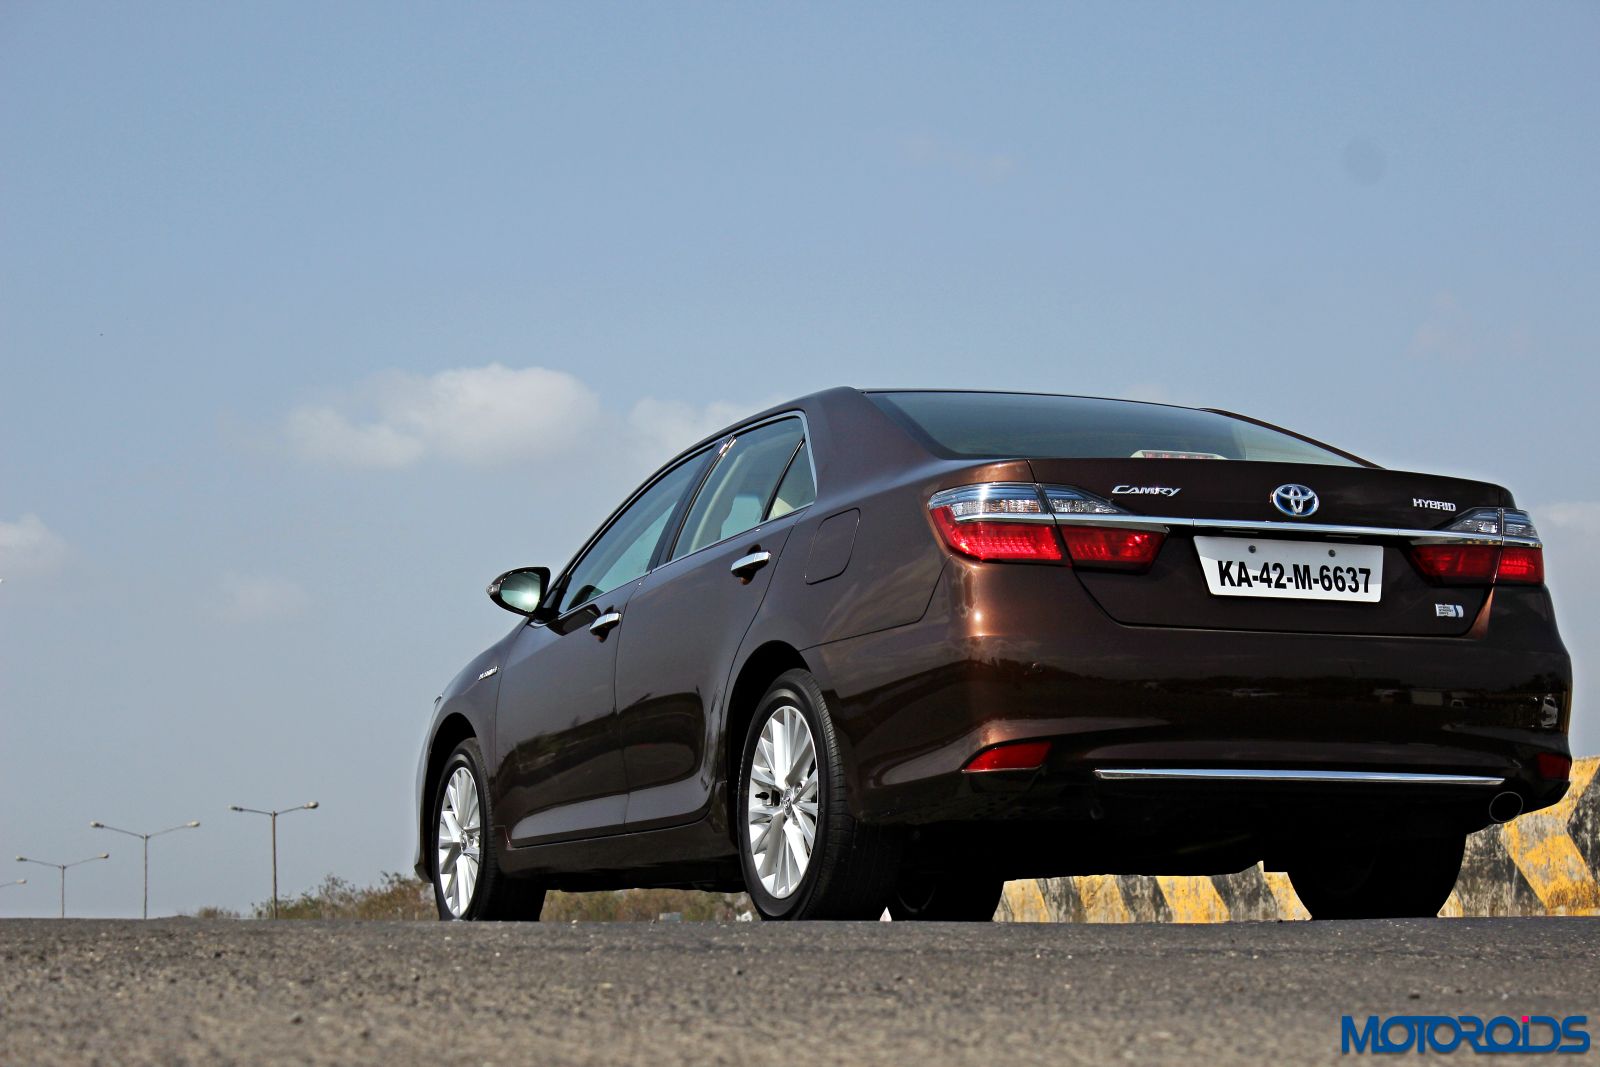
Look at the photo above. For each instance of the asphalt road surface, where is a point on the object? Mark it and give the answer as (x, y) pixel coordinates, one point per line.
(753, 994)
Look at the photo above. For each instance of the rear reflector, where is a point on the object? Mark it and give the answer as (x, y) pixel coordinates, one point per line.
(1552, 766)
(1016, 756)
(989, 540)
(1104, 547)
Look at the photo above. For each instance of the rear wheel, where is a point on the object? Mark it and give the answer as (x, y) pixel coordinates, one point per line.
(467, 880)
(945, 897)
(1379, 880)
(804, 856)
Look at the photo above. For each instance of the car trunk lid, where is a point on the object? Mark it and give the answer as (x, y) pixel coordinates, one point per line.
(1229, 504)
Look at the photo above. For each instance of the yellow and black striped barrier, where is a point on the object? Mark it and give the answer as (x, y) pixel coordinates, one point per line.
(1543, 863)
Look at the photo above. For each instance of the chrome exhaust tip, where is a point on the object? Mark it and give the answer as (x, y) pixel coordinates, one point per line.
(1505, 807)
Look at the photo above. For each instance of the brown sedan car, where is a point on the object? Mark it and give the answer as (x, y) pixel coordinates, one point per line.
(892, 648)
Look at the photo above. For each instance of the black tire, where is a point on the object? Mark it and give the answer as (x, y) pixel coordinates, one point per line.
(1381, 879)
(852, 867)
(924, 896)
(494, 896)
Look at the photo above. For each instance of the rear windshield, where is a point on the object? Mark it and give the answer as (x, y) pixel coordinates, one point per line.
(1028, 425)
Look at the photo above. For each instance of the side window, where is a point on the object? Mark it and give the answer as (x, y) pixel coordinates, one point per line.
(737, 492)
(623, 552)
(798, 488)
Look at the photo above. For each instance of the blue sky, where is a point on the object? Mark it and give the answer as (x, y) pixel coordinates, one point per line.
(314, 317)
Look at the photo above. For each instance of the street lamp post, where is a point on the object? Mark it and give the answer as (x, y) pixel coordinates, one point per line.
(146, 839)
(273, 815)
(62, 867)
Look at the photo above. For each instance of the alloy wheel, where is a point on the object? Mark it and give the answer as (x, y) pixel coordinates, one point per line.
(459, 841)
(782, 799)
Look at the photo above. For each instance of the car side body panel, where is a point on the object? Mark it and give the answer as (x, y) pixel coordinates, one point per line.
(682, 629)
(558, 769)
(465, 708)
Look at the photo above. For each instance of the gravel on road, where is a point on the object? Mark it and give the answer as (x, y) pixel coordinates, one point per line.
(752, 994)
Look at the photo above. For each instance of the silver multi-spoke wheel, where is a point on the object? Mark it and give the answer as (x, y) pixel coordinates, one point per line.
(460, 841)
(783, 800)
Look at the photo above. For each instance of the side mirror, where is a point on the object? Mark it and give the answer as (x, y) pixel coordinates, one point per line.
(520, 591)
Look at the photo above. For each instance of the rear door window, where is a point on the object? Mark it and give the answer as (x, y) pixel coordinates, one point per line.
(740, 489)
(625, 550)
(798, 487)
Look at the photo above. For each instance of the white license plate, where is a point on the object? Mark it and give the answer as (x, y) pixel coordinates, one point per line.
(1293, 570)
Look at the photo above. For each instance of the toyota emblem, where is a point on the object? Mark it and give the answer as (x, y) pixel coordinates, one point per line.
(1295, 500)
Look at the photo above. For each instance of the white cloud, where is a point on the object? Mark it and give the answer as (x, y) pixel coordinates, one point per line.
(662, 428)
(469, 415)
(322, 433)
(258, 598)
(28, 546)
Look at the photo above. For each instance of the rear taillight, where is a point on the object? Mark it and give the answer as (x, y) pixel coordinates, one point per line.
(1520, 564)
(996, 521)
(1514, 557)
(1456, 564)
(1017, 521)
(991, 540)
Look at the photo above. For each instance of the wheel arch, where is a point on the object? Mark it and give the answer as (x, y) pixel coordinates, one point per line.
(453, 729)
(757, 674)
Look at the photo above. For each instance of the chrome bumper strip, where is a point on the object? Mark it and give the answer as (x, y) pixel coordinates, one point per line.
(1215, 774)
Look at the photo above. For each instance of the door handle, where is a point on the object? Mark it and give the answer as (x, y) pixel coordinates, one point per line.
(746, 566)
(603, 625)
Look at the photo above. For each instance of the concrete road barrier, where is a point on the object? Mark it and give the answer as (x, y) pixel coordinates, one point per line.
(1543, 863)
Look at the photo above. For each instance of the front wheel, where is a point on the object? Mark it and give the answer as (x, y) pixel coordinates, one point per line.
(804, 856)
(1379, 880)
(467, 880)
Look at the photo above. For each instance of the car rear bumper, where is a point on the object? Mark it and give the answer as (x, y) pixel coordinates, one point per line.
(1008, 653)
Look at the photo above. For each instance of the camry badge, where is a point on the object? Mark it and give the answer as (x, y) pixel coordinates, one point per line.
(1295, 500)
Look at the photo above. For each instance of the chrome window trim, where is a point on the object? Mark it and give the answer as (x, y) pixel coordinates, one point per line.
(811, 454)
(1267, 774)
(721, 445)
(728, 443)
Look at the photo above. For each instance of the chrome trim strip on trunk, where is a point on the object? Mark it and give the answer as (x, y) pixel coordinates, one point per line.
(1222, 774)
(1164, 523)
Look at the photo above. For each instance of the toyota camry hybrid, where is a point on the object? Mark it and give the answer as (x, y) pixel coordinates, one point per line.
(891, 648)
